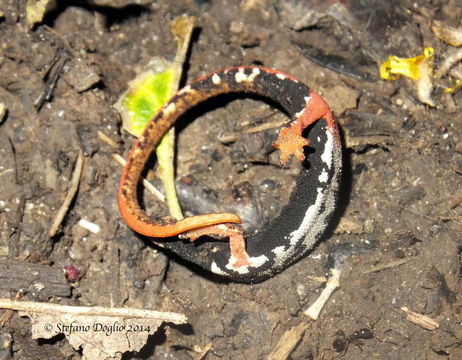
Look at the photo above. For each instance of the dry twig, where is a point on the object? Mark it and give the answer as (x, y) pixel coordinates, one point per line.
(151, 188)
(233, 137)
(107, 139)
(333, 283)
(423, 321)
(75, 181)
(388, 265)
(288, 342)
(204, 352)
(54, 309)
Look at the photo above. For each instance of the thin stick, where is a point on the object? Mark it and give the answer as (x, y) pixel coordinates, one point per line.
(388, 265)
(333, 283)
(204, 352)
(75, 181)
(424, 321)
(53, 309)
(121, 161)
(107, 139)
(233, 137)
(151, 188)
(288, 342)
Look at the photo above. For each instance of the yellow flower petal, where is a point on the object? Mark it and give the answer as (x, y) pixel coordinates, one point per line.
(412, 68)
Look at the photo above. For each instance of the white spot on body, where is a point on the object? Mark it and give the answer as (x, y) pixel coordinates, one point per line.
(258, 261)
(309, 219)
(216, 79)
(184, 90)
(169, 109)
(280, 253)
(216, 270)
(255, 262)
(280, 76)
(324, 176)
(278, 250)
(238, 269)
(307, 100)
(241, 76)
(300, 113)
(254, 74)
(326, 156)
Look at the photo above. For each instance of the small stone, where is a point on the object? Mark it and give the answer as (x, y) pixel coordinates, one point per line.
(82, 76)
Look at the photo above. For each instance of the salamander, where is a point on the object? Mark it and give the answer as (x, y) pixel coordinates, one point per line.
(256, 257)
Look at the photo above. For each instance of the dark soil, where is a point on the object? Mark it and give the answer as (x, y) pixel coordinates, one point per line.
(401, 193)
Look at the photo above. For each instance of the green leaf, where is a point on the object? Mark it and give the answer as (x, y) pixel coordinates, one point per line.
(144, 100)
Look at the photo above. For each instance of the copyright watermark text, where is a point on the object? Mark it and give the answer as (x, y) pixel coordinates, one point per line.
(106, 328)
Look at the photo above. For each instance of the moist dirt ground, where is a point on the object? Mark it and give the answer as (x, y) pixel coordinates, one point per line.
(398, 226)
